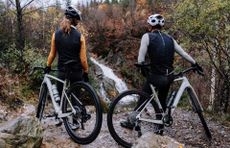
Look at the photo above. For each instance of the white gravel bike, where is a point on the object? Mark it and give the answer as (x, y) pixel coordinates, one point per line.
(149, 115)
(85, 114)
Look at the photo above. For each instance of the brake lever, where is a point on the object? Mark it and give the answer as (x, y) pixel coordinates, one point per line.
(200, 73)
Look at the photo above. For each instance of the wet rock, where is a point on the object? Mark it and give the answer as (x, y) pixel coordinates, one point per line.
(105, 86)
(151, 140)
(109, 87)
(21, 132)
(3, 115)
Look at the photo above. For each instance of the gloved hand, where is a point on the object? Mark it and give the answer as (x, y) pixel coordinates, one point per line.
(199, 69)
(85, 77)
(47, 69)
(144, 71)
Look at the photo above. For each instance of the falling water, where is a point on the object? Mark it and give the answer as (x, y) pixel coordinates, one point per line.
(108, 72)
(119, 84)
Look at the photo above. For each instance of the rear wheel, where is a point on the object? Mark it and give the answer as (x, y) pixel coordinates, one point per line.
(124, 108)
(83, 126)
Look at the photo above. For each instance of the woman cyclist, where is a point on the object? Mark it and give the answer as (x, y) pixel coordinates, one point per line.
(69, 44)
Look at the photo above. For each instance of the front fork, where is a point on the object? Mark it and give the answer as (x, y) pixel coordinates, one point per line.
(194, 101)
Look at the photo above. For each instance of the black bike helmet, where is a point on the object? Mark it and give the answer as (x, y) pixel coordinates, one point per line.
(72, 12)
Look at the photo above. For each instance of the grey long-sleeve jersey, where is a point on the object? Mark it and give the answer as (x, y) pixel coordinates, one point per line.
(144, 47)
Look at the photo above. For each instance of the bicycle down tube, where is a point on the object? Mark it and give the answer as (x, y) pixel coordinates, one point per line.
(57, 108)
(185, 85)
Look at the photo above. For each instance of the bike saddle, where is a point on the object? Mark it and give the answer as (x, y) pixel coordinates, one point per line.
(70, 63)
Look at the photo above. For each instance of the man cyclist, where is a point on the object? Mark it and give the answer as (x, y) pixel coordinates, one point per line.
(69, 44)
(160, 48)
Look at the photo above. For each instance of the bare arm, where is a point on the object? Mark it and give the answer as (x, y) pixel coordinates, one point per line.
(182, 53)
(143, 48)
(52, 53)
(83, 56)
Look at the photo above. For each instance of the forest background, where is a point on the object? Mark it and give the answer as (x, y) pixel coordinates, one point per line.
(113, 29)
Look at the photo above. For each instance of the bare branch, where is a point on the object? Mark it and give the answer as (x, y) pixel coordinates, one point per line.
(27, 4)
(212, 59)
(40, 8)
(12, 3)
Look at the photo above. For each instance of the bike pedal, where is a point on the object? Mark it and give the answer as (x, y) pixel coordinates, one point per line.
(58, 122)
(138, 129)
(48, 115)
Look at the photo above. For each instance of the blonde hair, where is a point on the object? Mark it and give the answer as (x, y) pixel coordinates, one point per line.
(65, 25)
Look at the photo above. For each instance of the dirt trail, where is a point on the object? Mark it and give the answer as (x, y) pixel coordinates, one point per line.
(186, 129)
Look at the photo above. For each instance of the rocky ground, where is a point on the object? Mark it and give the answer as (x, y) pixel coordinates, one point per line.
(186, 129)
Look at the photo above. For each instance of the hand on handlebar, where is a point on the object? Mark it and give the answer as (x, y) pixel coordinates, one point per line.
(85, 77)
(199, 69)
(47, 69)
(144, 67)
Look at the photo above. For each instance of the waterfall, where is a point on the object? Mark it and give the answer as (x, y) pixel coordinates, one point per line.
(119, 84)
(108, 72)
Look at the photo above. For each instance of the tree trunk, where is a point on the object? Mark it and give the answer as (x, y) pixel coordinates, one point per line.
(20, 43)
(213, 84)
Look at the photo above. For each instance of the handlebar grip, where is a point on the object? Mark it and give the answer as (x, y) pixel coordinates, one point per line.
(143, 64)
(200, 73)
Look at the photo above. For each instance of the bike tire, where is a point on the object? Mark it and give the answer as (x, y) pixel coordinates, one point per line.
(119, 109)
(199, 111)
(42, 100)
(91, 104)
(205, 126)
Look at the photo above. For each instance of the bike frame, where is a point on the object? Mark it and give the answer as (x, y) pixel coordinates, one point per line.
(58, 108)
(185, 85)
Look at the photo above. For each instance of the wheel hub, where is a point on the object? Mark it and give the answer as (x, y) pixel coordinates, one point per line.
(168, 120)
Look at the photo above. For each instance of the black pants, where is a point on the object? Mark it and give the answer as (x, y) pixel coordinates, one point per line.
(162, 93)
(161, 84)
(73, 77)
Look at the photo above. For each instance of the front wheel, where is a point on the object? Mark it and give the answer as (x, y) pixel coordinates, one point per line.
(42, 100)
(199, 111)
(207, 131)
(125, 108)
(85, 125)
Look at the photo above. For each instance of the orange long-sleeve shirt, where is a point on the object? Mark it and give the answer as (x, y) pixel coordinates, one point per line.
(83, 56)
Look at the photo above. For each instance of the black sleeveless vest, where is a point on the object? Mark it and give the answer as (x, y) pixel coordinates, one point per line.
(161, 52)
(68, 48)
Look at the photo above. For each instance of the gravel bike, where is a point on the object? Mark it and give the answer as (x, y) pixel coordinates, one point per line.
(78, 107)
(149, 116)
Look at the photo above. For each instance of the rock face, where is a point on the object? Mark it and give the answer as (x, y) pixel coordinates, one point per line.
(151, 140)
(104, 86)
(105, 83)
(23, 132)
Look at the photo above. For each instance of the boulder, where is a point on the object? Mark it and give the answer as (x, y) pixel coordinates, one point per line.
(109, 87)
(3, 115)
(23, 132)
(151, 140)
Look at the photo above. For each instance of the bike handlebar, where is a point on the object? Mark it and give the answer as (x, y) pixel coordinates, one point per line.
(179, 74)
(40, 68)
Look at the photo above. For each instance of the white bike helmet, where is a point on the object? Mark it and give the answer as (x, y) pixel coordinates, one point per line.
(156, 19)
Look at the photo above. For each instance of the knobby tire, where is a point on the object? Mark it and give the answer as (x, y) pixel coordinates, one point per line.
(113, 115)
(42, 101)
(93, 101)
